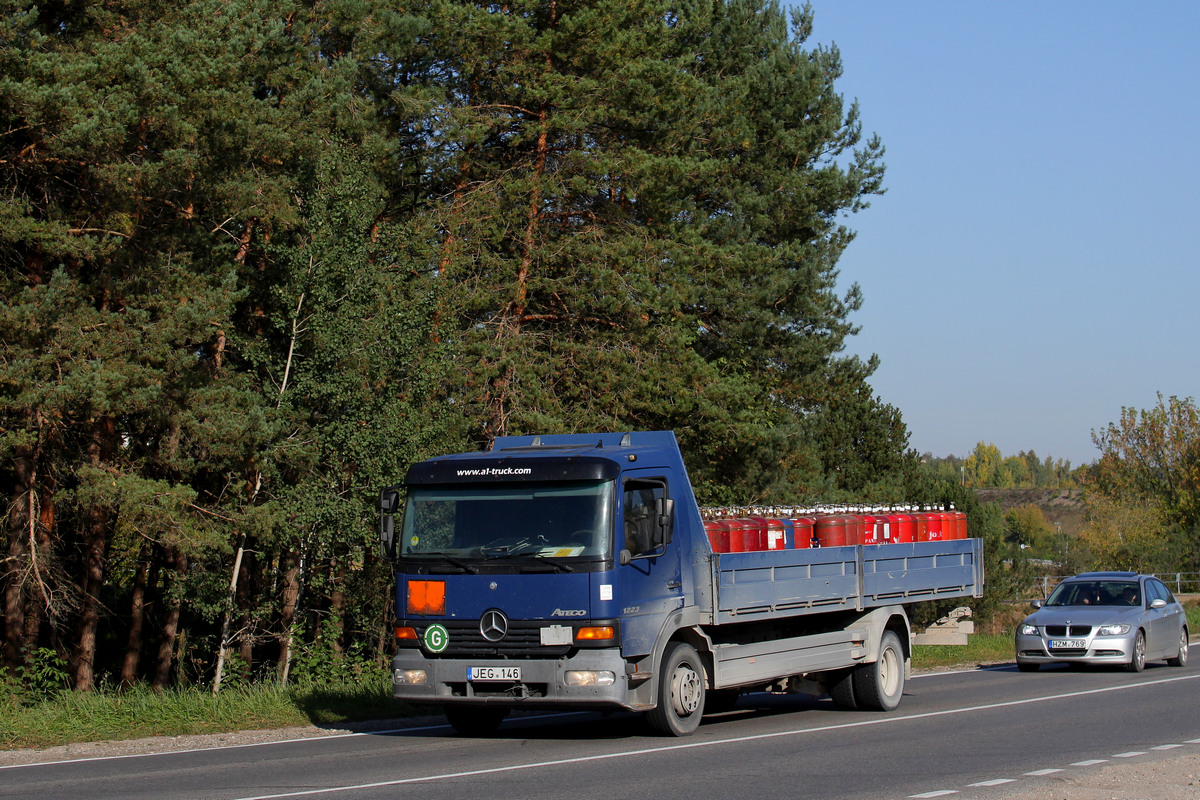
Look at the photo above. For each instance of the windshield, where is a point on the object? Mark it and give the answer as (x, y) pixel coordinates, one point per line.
(534, 520)
(1096, 593)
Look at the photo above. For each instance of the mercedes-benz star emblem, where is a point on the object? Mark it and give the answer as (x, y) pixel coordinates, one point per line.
(493, 625)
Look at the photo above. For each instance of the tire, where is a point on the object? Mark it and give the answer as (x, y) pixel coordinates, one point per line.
(842, 692)
(879, 686)
(1137, 659)
(681, 692)
(1026, 666)
(475, 721)
(1181, 658)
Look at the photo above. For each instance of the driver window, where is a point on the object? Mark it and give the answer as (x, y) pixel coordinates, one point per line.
(641, 518)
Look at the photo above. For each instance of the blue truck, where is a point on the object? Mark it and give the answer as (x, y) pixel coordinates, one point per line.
(574, 572)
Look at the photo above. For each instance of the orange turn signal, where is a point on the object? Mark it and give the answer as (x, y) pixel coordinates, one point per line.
(427, 598)
(406, 634)
(595, 633)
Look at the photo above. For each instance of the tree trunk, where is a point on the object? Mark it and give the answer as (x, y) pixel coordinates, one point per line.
(16, 525)
(245, 594)
(291, 603)
(166, 647)
(337, 605)
(137, 619)
(95, 553)
(226, 618)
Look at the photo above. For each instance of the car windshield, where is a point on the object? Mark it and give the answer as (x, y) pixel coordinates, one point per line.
(1095, 593)
(525, 520)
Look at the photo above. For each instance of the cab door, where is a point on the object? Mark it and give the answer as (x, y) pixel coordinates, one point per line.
(649, 571)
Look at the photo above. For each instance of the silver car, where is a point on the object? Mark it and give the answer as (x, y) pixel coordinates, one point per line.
(1105, 618)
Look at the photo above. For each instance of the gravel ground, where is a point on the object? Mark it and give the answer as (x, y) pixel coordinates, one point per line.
(1169, 778)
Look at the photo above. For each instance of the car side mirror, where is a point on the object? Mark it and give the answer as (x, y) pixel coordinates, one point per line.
(1158, 602)
(1037, 604)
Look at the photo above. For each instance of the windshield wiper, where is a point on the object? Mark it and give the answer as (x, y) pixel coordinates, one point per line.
(458, 562)
(521, 550)
(558, 565)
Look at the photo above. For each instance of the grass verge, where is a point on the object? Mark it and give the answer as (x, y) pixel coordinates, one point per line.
(980, 649)
(108, 715)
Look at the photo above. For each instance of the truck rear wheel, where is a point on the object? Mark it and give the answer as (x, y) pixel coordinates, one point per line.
(475, 721)
(878, 686)
(680, 691)
(841, 692)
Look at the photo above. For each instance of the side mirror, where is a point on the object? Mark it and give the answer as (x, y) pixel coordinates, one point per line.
(666, 519)
(1158, 602)
(1037, 603)
(389, 503)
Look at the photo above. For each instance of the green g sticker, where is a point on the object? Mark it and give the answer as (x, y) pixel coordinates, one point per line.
(436, 638)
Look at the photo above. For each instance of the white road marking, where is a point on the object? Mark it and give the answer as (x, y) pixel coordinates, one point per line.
(996, 782)
(1041, 772)
(939, 793)
(1166, 747)
(1130, 754)
(1091, 762)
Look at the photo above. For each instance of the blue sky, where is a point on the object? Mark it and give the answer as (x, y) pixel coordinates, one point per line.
(1034, 265)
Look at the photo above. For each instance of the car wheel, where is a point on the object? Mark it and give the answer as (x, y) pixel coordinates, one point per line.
(1137, 659)
(1180, 660)
(680, 692)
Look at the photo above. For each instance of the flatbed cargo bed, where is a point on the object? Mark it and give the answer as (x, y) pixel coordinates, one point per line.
(769, 584)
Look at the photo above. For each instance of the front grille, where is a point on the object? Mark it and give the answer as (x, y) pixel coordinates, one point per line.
(1063, 630)
(1069, 653)
(523, 640)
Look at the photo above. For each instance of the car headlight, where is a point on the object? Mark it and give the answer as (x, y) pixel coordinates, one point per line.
(1113, 630)
(1028, 630)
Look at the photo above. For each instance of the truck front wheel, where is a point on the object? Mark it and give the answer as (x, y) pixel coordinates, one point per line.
(680, 691)
(879, 686)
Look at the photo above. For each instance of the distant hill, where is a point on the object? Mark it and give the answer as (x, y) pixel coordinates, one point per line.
(1064, 506)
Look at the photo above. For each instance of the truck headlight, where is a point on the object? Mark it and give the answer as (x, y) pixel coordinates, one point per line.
(410, 677)
(1028, 630)
(590, 677)
(1113, 630)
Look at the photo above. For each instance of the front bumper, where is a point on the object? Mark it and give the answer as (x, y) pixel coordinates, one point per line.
(1097, 649)
(543, 683)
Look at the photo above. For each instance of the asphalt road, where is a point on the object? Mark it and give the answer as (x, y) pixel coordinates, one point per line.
(976, 734)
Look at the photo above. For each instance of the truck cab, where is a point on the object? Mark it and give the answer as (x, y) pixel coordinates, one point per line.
(539, 574)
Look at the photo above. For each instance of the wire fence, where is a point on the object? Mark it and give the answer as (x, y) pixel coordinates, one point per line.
(1177, 582)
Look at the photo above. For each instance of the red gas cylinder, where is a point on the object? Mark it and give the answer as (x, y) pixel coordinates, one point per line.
(737, 535)
(778, 531)
(904, 527)
(960, 523)
(803, 531)
(718, 534)
(885, 527)
(872, 529)
(757, 534)
(836, 530)
(922, 518)
(935, 524)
